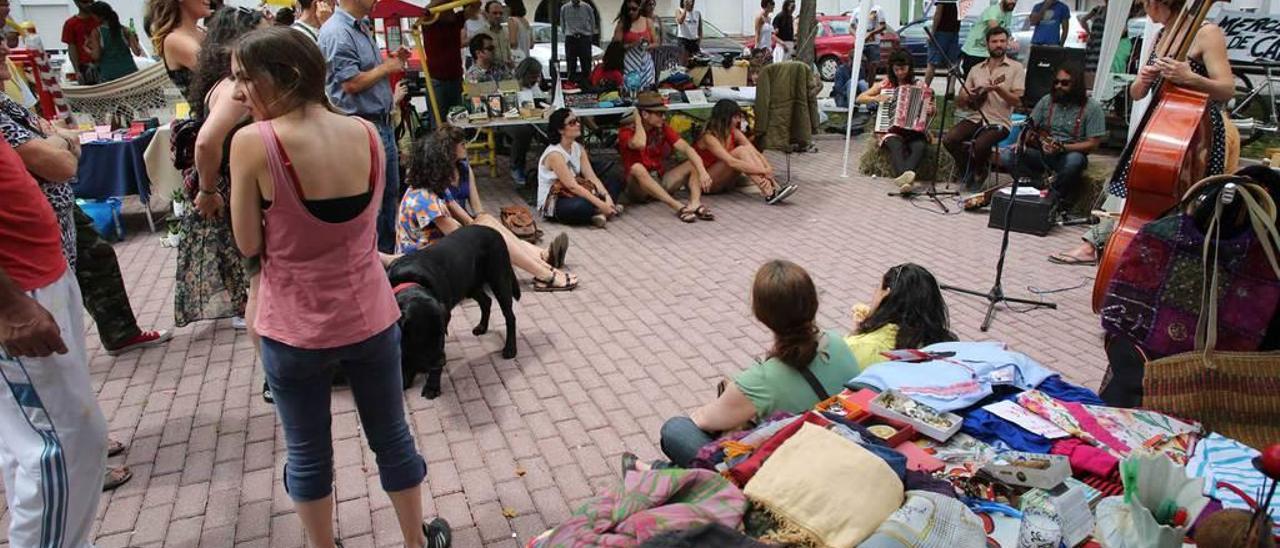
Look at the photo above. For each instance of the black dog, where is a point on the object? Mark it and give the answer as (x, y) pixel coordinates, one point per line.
(430, 282)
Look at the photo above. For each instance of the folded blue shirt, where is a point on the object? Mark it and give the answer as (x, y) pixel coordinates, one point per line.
(958, 381)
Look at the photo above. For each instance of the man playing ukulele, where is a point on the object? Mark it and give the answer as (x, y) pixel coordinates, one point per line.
(990, 91)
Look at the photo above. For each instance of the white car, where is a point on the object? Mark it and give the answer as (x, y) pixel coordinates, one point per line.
(542, 49)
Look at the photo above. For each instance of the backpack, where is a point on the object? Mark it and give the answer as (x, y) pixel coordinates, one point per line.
(519, 220)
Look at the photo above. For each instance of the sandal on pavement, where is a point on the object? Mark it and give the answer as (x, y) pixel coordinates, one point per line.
(550, 285)
(1064, 259)
(686, 215)
(115, 477)
(629, 461)
(438, 533)
(704, 214)
(557, 250)
(114, 447)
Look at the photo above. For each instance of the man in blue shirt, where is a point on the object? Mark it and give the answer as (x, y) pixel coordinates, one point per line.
(1051, 20)
(357, 85)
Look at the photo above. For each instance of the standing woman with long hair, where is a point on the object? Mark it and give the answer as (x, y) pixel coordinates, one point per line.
(905, 148)
(519, 32)
(635, 32)
(212, 277)
(784, 26)
(112, 45)
(728, 154)
(326, 304)
(177, 36)
(765, 39)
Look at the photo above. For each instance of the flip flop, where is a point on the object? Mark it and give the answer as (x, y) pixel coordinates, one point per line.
(704, 214)
(1064, 259)
(115, 477)
(114, 447)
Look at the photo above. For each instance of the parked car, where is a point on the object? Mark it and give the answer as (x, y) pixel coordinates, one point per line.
(542, 49)
(715, 43)
(833, 44)
(911, 37)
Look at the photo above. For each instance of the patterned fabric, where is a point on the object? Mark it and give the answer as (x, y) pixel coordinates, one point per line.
(181, 79)
(415, 226)
(1155, 295)
(102, 286)
(646, 504)
(637, 62)
(1219, 458)
(20, 126)
(496, 73)
(1217, 164)
(211, 282)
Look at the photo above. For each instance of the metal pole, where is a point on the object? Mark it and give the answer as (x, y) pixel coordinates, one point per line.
(859, 41)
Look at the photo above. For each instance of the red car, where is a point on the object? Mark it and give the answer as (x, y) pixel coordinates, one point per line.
(834, 44)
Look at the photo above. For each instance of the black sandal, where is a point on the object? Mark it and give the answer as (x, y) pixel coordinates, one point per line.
(704, 214)
(547, 286)
(686, 215)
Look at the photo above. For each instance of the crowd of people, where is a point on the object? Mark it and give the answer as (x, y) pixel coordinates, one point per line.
(268, 99)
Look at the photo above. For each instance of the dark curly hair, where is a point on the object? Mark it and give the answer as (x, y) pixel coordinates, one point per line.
(226, 26)
(434, 164)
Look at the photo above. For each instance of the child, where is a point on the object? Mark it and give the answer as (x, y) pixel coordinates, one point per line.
(907, 311)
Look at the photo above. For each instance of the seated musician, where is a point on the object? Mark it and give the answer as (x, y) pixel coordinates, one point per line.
(905, 147)
(990, 92)
(1068, 126)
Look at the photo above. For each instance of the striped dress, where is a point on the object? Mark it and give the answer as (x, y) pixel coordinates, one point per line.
(638, 60)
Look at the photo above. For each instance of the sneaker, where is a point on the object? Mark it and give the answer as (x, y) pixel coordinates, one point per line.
(266, 394)
(906, 181)
(781, 194)
(143, 340)
(239, 324)
(438, 533)
(519, 178)
(598, 220)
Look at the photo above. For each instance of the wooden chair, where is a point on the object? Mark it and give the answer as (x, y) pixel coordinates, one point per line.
(483, 150)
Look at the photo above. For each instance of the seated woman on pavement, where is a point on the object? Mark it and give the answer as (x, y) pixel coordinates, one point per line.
(728, 154)
(430, 211)
(569, 191)
(906, 312)
(805, 366)
(905, 148)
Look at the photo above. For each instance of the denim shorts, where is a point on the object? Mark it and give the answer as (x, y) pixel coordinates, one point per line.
(301, 381)
(950, 43)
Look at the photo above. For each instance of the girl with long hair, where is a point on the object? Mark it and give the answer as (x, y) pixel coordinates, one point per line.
(907, 311)
(177, 36)
(801, 360)
(568, 189)
(905, 148)
(112, 45)
(637, 35)
(326, 305)
(608, 74)
(432, 208)
(519, 32)
(729, 154)
(765, 39)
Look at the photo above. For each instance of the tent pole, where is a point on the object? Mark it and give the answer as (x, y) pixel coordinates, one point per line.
(859, 41)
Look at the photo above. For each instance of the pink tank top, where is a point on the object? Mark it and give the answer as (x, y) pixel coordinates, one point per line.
(322, 284)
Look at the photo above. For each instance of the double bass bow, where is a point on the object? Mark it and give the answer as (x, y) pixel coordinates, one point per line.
(1168, 152)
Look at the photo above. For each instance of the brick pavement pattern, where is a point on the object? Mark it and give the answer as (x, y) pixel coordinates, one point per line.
(512, 445)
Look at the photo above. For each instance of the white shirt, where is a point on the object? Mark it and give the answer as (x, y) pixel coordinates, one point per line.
(547, 177)
(311, 32)
(689, 28)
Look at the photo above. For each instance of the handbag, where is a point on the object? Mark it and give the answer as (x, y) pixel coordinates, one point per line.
(519, 220)
(1232, 393)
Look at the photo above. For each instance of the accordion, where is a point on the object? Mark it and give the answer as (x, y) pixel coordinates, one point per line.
(906, 110)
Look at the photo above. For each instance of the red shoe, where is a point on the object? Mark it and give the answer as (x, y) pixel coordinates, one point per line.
(143, 340)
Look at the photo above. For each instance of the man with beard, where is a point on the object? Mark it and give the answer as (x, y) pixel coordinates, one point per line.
(1069, 125)
(989, 93)
(999, 14)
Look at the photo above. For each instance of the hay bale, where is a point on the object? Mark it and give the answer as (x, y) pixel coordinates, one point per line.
(875, 161)
(1085, 198)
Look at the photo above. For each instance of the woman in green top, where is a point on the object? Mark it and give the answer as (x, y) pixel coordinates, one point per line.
(784, 300)
(907, 311)
(112, 45)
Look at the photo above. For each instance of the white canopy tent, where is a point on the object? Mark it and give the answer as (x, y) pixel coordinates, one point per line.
(859, 41)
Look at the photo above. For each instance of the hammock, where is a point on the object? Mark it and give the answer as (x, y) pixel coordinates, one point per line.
(142, 94)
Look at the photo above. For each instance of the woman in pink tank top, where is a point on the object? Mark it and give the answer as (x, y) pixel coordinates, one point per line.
(324, 302)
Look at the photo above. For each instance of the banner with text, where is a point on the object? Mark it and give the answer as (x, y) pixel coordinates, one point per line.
(1251, 36)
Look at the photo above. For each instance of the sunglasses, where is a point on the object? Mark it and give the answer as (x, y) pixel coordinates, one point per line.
(572, 122)
(1063, 83)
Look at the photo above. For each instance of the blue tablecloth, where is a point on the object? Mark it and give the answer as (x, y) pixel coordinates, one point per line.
(114, 168)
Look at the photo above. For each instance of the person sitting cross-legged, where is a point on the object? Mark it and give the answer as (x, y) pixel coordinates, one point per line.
(802, 359)
(728, 154)
(1074, 126)
(645, 145)
(429, 211)
(569, 191)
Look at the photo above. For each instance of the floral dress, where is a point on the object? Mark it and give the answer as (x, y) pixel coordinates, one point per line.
(211, 280)
(20, 126)
(415, 225)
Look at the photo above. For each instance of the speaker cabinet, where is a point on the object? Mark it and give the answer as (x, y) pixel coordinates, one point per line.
(1041, 67)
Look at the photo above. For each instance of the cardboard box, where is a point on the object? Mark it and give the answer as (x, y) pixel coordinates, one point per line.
(735, 76)
(881, 408)
(1030, 469)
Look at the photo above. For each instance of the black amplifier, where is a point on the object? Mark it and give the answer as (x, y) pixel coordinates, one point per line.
(1031, 214)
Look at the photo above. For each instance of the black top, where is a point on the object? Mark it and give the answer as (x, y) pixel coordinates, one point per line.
(784, 27)
(334, 210)
(950, 21)
(181, 78)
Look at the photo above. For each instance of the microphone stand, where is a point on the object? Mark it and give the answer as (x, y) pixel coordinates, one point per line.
(932, 193)
(996, 295)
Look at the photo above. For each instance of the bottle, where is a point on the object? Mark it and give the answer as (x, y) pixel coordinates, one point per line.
(132, 29)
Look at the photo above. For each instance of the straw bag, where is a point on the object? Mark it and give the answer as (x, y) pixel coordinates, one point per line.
(1233, 393)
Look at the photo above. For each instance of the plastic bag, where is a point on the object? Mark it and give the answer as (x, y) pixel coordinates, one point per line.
(1153, 485)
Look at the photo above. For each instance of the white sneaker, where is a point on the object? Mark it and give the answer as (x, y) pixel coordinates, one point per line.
(239, 324)
(906, 181)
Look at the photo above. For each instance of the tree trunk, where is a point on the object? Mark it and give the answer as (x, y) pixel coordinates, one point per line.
(808, 30)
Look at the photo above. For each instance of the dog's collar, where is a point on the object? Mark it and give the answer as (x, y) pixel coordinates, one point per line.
(403, 286)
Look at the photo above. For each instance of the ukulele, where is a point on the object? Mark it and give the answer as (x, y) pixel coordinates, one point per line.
(976, 100)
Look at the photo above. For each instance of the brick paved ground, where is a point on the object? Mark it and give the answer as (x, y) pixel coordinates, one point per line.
(661, 314)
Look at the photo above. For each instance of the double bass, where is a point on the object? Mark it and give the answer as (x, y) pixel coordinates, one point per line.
(1169, 151)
